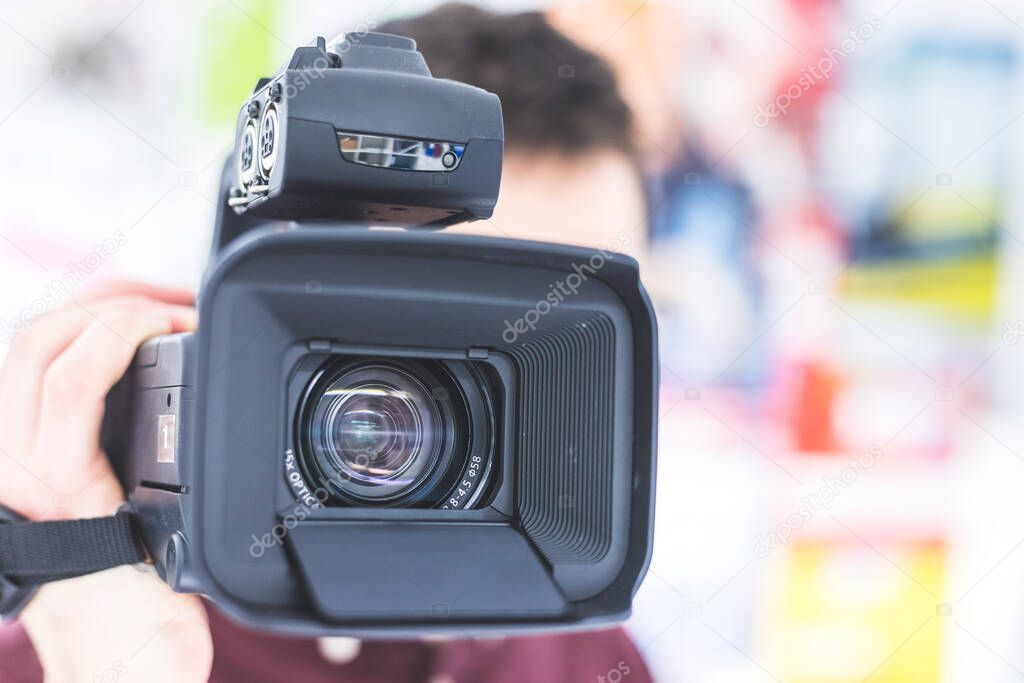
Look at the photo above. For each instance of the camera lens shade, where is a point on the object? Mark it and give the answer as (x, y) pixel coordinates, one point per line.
(378, 430)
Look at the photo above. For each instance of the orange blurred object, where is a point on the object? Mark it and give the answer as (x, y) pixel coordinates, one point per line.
(811, 414)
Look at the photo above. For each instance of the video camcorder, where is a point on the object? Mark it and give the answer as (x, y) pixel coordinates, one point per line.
(353, 442)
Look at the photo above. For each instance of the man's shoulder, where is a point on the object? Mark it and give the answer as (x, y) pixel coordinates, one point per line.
(607, 655)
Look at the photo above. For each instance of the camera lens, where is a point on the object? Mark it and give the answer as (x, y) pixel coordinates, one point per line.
(396, 433)
(377, 429)
(376, 439)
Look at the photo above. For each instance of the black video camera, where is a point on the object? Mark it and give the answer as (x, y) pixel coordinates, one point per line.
(380, 431)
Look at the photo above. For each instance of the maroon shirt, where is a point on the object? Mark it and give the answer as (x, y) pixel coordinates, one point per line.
(243, 655)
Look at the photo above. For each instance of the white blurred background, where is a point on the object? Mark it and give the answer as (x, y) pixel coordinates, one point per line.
(837, 281)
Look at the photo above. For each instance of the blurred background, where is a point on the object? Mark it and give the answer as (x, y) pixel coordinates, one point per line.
(837, 263)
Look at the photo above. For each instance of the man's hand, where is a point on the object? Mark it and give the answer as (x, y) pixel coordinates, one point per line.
(122, 623)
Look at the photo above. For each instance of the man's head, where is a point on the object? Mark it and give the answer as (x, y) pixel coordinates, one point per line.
(570, 173)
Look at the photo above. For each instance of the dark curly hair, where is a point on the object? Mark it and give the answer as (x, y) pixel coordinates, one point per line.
(556, 97)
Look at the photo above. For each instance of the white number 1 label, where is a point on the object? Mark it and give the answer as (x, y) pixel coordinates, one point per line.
(167, 438)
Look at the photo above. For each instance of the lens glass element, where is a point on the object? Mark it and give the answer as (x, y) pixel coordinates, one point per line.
(377, 430)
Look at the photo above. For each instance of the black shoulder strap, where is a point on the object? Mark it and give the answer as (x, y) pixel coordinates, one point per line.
(34, 553)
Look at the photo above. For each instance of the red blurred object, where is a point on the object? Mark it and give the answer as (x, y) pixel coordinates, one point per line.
(811, 414)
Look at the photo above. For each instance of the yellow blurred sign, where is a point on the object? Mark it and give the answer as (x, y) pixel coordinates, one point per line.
(847, 614)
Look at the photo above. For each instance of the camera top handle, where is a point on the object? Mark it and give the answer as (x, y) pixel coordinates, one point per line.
(358, 131)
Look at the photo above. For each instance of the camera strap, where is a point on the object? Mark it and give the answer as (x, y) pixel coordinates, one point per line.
(34, 553)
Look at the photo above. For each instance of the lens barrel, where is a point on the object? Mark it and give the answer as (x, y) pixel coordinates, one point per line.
(397, 433)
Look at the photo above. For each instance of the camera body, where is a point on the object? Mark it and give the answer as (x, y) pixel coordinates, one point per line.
(388, 432)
